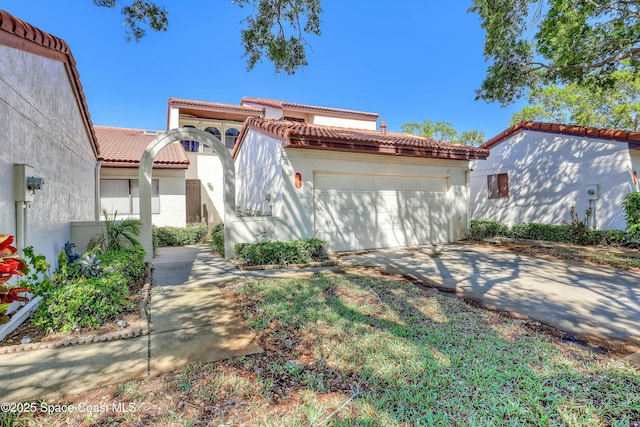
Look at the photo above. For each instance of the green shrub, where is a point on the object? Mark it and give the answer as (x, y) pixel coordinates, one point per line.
(70, 300)
(481, 229)
(289, 252)
(547, 232)
(609, 237)
(179, 236)
(82, 303)
(217, 239)
(129, 262)
(631, 207)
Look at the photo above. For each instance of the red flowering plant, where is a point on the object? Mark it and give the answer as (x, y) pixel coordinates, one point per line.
(10, 265)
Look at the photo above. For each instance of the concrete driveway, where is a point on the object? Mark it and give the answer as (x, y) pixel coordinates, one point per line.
(577, 298)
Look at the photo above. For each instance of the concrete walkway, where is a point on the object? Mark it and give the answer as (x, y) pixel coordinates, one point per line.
(191, 323)
(577, 298)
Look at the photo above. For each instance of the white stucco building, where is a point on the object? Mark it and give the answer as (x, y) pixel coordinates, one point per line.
(45, 124)
(355, 188)
(537, 171)
(120, 153)
(305, 171)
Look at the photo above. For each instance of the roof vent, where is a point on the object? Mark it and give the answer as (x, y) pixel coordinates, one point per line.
(151, 132)
(383, 127)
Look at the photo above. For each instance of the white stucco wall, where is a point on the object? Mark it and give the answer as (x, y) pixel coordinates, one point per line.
(258, 174)
(208, 169)
(42, 126)
(549, 173)
(344, 122)
(172, 194)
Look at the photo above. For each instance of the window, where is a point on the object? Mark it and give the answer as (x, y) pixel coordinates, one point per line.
(230, 137)
(190, 146)
(123, 196)
(216, 133)
(498, 186)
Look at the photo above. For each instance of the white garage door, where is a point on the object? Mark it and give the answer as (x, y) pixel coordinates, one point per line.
(354, 212)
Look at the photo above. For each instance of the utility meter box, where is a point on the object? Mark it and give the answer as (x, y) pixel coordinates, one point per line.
(21, 186)
(593, 191)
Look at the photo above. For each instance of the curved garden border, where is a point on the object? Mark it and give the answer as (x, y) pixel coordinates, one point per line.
(145, 329)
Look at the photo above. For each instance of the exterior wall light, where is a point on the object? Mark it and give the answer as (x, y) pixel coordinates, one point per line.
(298, 180)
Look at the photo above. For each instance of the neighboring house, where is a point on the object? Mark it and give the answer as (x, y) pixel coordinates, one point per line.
(537, 171)
(46, 125)
(120, 153)
(355, 188)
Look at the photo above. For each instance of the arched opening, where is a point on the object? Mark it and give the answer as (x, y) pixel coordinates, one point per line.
(230, 137)
(146, 171)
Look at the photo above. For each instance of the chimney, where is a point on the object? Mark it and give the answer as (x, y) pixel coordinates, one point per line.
(383, 127)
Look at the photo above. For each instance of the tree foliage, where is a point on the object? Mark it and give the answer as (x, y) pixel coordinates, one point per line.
(443, 131)
(138, 15)
(616, 107)
(276, 30)
(543, 42)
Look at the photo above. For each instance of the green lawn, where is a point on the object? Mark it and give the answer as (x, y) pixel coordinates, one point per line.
(361, 350)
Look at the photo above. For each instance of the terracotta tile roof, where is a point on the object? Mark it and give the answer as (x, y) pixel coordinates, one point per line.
(20, 35)
(122, 148)
(305, 135)
(214, 110)
(311, 108)
(615, 134)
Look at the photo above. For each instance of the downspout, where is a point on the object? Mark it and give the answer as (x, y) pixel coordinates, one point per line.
(467, 187)
(21, 225)
(96, 178)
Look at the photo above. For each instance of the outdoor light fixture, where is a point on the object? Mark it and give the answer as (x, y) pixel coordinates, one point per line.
(298, 180)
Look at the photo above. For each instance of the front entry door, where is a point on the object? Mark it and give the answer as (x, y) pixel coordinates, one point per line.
(193, 201)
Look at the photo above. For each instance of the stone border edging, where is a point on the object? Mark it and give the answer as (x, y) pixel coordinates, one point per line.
(124, 334)
(332, 263)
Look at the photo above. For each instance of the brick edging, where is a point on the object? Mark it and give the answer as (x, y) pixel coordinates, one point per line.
(124, 334)
(332, 263)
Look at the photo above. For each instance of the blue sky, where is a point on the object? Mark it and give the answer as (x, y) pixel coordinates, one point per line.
(408, 61)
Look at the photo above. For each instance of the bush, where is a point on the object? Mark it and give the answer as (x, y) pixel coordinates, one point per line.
(631, 207)
(546, 232)
(609, 237)
(481, 229)
(82, 303)
(217, 239)
(290, 252)
(72, 301)
(129, 262)
(179, 236)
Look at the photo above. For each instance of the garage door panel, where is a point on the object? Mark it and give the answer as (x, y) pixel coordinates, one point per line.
(363, 212)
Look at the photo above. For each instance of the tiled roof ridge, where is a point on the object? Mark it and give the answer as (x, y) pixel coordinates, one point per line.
(288, 129)
(595, 132)
(160, 131)
(17, 26)
(305, 134)
(284, 104)
(30, 33)
(206, 104)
